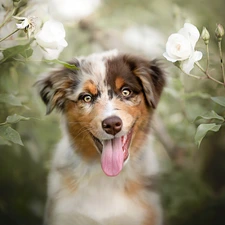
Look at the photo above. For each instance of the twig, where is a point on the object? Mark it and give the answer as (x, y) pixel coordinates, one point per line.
(207, 62)
(9, 35)
(207, 74)
(221, 60)
(192, 75)
(8, 18)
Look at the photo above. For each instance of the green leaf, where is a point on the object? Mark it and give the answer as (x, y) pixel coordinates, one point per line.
(10, 99)
(27, 53)
(15, 119)
(13, 51)
(219, 100)
(65, 64)
(210, 115)
(10, 134)
(4, 142)
(197, 94)
(202, 131)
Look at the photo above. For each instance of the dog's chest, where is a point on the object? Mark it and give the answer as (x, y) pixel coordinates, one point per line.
(102, 199)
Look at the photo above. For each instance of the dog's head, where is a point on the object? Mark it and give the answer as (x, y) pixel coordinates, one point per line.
(107, 104)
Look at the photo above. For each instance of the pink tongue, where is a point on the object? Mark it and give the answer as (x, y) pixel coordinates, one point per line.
(112, 157)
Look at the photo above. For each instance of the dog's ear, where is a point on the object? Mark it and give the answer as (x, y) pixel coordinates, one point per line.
(151, 76)
(56, 86)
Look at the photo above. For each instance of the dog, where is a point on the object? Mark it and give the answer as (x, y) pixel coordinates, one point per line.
(100, 171)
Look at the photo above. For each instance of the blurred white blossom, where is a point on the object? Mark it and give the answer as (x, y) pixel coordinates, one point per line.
(71, 10)
(145, 39)
(52, 38)
(181, 47)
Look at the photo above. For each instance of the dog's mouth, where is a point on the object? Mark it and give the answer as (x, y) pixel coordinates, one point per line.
(114, 152)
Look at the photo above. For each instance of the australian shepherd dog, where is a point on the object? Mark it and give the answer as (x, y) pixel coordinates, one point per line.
(101, 168)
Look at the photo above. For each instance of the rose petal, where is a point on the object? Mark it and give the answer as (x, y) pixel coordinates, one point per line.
(191, 33)
(197, 55)
(51, 54)
(188, 65)
(168, 57)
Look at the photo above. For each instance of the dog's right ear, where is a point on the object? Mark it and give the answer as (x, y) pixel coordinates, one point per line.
(56, 86)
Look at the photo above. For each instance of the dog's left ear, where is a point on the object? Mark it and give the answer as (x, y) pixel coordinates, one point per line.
(55, 87)
(151, 75)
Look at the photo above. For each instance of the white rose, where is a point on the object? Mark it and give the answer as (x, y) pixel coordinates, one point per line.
(52, 38)
(52, 35)
(181, 47)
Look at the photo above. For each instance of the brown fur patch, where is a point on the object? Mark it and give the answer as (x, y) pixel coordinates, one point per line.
(78, 126)
(69, 182)
(132, 188)
(151, 217)
(119, 83)
(90, 87)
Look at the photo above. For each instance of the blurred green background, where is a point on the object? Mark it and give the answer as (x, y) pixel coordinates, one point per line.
(192, 184)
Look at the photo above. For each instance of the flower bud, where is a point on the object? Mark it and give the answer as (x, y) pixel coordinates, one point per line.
(219, 32)
(205, 35)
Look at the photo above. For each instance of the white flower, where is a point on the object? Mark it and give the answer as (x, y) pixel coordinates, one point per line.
(24, 22)
(52, 38)
(181, 47)
(27, 24)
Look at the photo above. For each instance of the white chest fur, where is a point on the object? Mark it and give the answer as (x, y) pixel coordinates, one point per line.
(90, 197)
(100, 199)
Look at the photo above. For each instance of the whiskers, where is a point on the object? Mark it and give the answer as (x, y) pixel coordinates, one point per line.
(82, 129)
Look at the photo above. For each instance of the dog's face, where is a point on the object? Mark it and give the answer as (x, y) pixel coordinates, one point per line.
(107, 104)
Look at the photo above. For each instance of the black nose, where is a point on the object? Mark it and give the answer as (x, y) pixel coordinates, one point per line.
(112, 125)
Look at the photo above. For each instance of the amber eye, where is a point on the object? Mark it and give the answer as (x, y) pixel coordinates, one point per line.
(87, 98)
(126, 92)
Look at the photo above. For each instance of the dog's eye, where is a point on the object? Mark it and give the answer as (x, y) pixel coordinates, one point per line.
(87, 98)
(126, 92)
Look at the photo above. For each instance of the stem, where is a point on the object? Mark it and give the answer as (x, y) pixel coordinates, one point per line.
(207, 65)
(192, 75)
(9, 35)
(221, 60)
(8, 18)
(207, 74)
